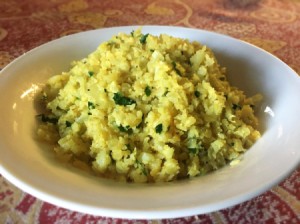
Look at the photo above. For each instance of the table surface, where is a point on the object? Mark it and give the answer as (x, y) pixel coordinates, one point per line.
(270, 24)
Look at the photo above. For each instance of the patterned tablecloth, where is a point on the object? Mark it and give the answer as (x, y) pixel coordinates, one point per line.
(273, 25)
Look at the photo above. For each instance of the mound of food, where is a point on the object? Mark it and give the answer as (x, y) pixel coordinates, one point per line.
(145, 108)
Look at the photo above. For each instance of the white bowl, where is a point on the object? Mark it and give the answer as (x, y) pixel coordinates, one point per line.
(30, 166)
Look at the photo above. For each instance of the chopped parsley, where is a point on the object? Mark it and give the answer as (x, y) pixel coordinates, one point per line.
(142, 166)
(122, 100)
(132, 33)
(91, 105)
(148, 91)
(126, 129)
(159, 128)
(68, 124)
(193, 150)
(90, 73)
(197, 93)
(143, 38)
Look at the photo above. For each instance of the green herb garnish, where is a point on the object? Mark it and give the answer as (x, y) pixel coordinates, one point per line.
(143, 38)
(122, 100)
(159, 128)
(68, 124)
(91, 105)
(148, 91)
(142, 166)
(193, 150)
(90, 73)
(126, 129)
(197, 93)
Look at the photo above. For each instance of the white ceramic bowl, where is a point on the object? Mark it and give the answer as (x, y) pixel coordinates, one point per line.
(30, 166)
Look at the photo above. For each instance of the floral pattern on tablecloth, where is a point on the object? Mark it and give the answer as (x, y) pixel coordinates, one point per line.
(270, 24)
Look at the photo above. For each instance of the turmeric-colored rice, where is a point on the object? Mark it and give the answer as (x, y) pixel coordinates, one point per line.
(145, 108)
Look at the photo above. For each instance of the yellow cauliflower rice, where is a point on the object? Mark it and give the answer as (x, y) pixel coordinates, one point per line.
(145, 108)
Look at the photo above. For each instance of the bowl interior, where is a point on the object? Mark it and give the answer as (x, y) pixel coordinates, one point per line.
(31, 166)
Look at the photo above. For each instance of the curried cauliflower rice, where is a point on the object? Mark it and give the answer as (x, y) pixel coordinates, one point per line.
(143, 108)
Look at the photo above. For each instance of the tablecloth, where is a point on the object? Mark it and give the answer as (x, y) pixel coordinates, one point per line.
(273, 25)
